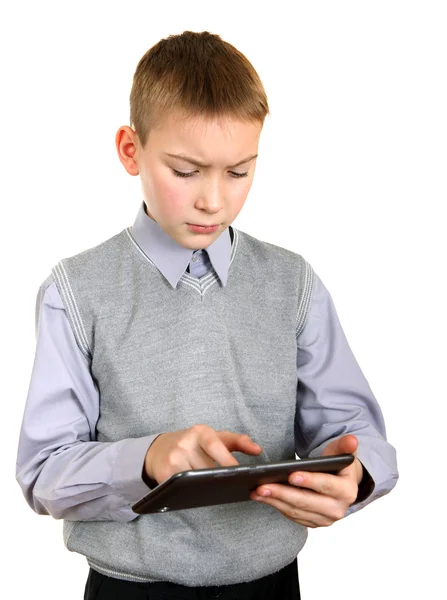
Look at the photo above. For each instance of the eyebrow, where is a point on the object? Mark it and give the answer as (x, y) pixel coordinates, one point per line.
(196, 162)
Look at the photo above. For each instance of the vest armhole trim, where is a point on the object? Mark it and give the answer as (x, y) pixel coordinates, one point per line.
(66, 292)
(303, 307)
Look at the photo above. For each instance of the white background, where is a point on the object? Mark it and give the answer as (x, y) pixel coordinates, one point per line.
(351, 174)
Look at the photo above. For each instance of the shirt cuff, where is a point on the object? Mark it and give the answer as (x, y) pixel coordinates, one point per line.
(128, 468)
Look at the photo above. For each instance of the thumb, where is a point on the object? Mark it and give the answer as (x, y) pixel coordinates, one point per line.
(347, 444)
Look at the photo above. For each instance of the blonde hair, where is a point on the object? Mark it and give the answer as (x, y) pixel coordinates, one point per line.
(198, 74)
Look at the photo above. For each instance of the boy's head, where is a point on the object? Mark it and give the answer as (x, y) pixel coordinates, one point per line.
(194, 95)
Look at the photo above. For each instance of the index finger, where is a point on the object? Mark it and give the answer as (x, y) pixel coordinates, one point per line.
(216, 446)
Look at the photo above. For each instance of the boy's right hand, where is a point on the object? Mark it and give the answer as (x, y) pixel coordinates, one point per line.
(198, 447)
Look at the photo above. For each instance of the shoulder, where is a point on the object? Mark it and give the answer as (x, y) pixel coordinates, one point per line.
(46, 283)
(48, 293)
(274, 259)
(267, 249)
(104, 248)
(93, 263)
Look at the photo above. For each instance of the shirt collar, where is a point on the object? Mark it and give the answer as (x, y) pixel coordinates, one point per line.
(169, 257)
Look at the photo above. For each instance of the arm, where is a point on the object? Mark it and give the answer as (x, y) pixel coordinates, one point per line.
(62, 470)
(335, 399)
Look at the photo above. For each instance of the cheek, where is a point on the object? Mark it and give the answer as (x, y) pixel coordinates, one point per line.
(241, 194)
(172, 196)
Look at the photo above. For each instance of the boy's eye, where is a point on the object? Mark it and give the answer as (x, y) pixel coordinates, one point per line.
(233, 174)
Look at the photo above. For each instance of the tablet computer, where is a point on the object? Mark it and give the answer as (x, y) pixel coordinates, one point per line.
(222, 485)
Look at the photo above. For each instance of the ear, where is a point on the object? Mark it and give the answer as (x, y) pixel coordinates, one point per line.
(126, 141)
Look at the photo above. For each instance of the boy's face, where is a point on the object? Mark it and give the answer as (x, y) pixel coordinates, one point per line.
(207, 195)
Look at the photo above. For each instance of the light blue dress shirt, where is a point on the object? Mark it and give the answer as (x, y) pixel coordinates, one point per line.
(63, 471)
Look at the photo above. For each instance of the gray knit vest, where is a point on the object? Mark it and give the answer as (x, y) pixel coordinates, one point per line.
(166, 359)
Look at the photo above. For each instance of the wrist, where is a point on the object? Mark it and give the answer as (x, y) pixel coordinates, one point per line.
(366, 484)
(147, 474)
(359, 470)
(148, 480)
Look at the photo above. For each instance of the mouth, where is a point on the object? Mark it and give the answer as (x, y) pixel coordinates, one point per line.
(202, 228)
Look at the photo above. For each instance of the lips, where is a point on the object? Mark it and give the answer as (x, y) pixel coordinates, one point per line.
(203, 228)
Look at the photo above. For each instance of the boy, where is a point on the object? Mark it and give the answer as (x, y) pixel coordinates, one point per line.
(181, 340)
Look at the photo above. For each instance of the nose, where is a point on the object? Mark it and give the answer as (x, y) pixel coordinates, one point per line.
(211, 198)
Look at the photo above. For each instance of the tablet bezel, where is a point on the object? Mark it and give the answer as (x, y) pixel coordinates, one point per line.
(223, 485)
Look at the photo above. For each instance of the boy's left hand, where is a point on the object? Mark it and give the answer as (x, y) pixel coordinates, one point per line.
(326, 496)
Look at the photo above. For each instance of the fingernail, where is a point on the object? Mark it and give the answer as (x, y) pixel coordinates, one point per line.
(297, 479)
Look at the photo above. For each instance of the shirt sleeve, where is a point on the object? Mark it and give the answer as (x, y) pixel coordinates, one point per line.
(334, 399)
(61, 468)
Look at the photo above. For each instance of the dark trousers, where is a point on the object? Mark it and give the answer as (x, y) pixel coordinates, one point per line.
(283, 585)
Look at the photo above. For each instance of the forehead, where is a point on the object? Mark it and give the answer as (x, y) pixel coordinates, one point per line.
(219, 138)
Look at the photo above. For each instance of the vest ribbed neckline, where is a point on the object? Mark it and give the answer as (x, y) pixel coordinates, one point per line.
(199, 284)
